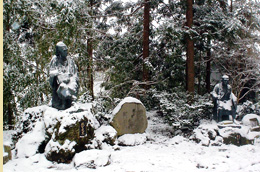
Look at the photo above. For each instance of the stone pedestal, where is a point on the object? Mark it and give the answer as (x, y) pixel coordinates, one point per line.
(7, 154)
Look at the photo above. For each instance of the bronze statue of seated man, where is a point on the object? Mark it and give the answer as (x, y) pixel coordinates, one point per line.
(63, 78)
(224, 101)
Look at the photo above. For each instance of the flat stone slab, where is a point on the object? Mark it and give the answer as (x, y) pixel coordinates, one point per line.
(129, 117)
(231, 124)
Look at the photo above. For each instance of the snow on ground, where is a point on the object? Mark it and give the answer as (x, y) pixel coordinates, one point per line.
(160, 152)
(7, 137)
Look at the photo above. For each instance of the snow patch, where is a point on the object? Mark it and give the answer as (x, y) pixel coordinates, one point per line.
(126, 100)
(29, 143)
(54, 146)
(132, 139)
(61, 44)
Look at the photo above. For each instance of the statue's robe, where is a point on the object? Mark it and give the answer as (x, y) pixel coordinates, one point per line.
(64, 82)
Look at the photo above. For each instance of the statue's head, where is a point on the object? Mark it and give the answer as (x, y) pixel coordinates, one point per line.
(225, 80)
(61, 50)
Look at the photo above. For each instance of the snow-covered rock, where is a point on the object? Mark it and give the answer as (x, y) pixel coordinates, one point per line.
(92, 159)
(129, 117)
(7, 154)
(29, 144)
(65, 127)
(212, 133)
(132, 139)
(206, 133)
(61, 153)
(106, 134)
(56, 133)
(252, 120)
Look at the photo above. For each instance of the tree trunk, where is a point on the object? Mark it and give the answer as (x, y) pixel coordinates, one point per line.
(199, 73)
(89, 68)
(146, 42)
(208, 69)
(10, 117)
(90, 57)
(231, 6)
(190, 51)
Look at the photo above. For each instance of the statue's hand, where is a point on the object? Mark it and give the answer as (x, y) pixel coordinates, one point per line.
(66, 81)
(63, 78)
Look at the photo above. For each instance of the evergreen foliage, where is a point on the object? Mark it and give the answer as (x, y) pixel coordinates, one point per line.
(31, 30)
(179, 114)
(225, 38)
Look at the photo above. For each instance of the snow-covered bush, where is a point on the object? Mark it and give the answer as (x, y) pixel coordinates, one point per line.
(101, 107)
(178, 113)
(27, 121)
(247, 107)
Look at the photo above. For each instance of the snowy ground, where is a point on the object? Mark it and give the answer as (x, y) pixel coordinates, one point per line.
(98, 80)
(160, 152)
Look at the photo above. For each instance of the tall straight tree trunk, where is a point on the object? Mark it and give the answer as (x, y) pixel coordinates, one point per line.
(231, 6)
(199, 72)
(90, 56)
(208, 69)
(90, 68)
(190, 51)
(146, 41)
(10, 117)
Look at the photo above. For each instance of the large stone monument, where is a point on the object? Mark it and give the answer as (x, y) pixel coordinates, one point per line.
(224, 101)
(129, 117)
(63, 78)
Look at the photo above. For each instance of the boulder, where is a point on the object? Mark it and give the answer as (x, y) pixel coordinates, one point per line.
(105, 134)
(236, 139)
(129, 117)
(253, 121)
(92, 159)
(237, 136)
(210, 133)
(205, 134)
(57, 134)
(30, 132)
(70, 132)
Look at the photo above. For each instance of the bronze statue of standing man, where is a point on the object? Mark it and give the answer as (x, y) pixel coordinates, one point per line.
(224, 101)
(63, 78)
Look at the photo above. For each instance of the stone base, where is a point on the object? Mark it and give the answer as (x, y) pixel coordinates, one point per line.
(8, 157)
